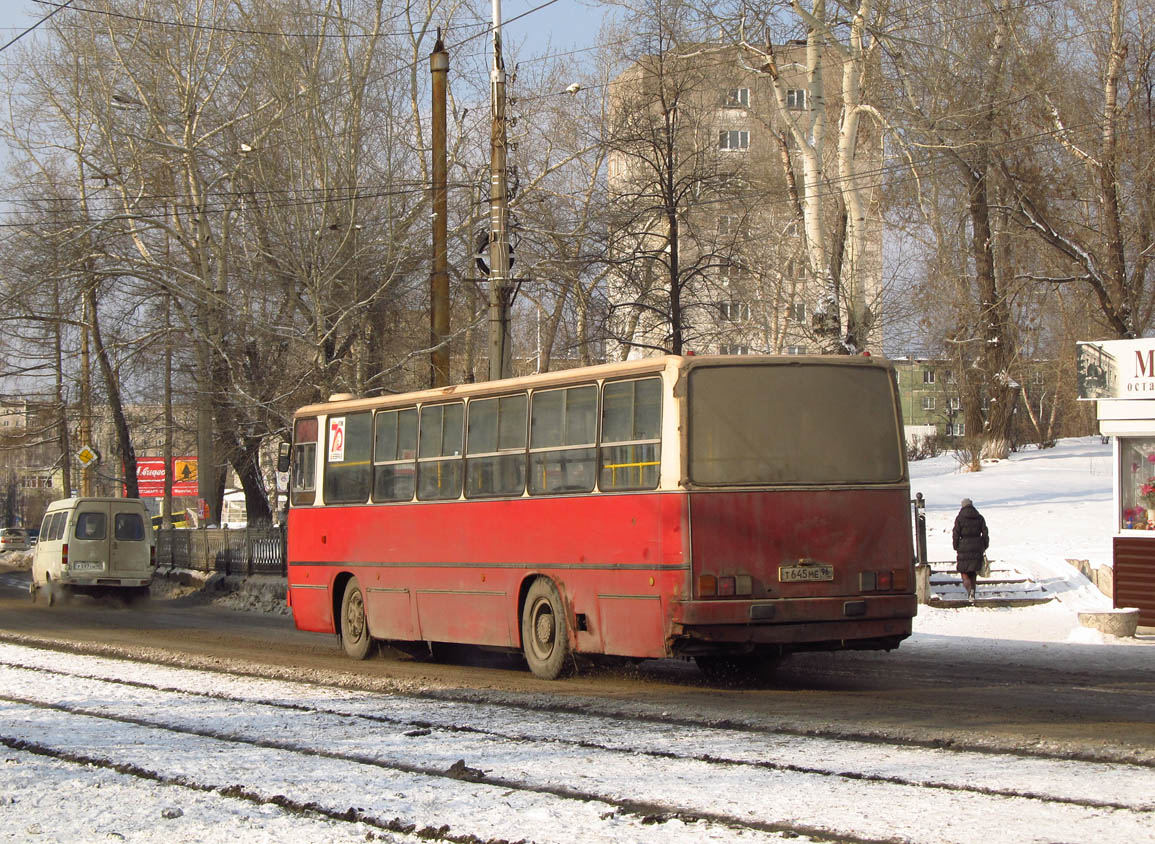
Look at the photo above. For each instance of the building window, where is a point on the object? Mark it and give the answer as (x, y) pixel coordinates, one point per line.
(732, 349)
(734, 310)
(796, 99)
(734, 139)
(1038, 378)
(730, 272)
(737, 98)
(948, 376)
(928, 402)
(796, 312)
(957, 429)
(727, 225)
(955, 403)
(795, 350)
(928, 376)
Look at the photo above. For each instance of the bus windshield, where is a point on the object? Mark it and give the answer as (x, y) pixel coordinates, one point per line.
(793, 424)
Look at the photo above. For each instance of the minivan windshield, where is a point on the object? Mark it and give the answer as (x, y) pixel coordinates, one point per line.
(793, 423)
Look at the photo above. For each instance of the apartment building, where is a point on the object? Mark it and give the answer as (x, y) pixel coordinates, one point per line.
(705, 177)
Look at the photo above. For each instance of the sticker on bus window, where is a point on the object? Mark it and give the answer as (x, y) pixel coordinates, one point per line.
(337, 439)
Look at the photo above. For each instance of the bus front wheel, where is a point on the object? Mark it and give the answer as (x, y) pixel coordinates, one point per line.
(544, 631)
(355, 638)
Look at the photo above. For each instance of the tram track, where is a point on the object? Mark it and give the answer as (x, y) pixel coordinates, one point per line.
(718, 735)
(709, 776)
(1100, 752)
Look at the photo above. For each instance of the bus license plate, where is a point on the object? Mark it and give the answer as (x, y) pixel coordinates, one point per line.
(87, 565)
(805, 574)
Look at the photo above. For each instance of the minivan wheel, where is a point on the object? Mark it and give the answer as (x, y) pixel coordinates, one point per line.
(46, 593)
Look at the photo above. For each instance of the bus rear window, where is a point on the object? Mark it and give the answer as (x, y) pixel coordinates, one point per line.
(793, 424)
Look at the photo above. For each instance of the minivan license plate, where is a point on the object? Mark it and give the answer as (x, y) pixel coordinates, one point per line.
(805, 574)
(87, 565)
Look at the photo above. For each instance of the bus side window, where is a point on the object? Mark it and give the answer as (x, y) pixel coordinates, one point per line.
(347, 461)
(563, 431)
(631, 434)
(303, 472)
(439, 452)
(394, 452)
(495, 461)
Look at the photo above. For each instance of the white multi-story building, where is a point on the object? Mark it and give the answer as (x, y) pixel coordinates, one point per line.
(707, 235)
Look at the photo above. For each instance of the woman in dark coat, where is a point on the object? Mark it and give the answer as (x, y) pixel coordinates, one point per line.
(970, 541)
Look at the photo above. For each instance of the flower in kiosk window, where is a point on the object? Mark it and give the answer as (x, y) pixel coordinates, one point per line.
(1147, 493)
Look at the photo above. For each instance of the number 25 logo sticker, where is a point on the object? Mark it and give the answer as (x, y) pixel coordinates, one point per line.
(337, 439)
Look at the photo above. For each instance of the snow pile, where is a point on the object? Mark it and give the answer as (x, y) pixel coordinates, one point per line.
(17, 559)
(260, 593)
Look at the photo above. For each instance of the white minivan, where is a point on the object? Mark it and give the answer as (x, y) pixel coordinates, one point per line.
(94, 546)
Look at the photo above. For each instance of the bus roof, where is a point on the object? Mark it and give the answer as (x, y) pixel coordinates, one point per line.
(564, 377)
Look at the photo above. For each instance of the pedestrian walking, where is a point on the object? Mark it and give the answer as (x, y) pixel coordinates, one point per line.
(970, 543)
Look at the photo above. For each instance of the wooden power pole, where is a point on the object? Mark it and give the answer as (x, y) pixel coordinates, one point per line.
(439, 278)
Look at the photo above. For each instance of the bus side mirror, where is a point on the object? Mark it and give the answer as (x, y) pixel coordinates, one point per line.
(283, 457)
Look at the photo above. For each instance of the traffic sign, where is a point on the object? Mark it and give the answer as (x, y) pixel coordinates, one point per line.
(87, 456)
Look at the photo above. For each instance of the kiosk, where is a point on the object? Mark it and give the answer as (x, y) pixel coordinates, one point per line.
(1120, 376)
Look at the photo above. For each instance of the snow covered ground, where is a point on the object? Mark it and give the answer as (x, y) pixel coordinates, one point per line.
(1042, 508)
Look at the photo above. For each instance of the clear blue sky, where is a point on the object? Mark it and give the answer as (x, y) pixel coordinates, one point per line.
(566, 23)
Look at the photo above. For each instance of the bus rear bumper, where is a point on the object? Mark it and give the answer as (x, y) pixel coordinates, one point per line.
(873, 621)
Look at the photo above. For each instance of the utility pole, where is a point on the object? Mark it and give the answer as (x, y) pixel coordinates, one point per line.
(500, 351)
(439, 278)
(85, 402)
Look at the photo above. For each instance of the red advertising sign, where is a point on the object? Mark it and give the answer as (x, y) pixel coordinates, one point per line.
(150, 476)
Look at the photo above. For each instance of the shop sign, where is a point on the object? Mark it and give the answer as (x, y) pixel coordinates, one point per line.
(1116, 369)
(150, 472)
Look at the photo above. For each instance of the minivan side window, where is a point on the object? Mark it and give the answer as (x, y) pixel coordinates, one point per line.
(91, 526)
(128, 527)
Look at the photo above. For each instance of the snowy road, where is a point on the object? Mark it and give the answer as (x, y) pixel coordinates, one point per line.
(255, 759)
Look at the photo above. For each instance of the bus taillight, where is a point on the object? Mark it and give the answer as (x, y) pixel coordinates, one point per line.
(895, 580)
(725, 586)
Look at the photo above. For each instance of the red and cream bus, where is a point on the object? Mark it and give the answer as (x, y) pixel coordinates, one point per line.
(729, 509)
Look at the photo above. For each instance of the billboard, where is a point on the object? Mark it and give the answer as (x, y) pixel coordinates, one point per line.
(1116, 369)
(150, 472)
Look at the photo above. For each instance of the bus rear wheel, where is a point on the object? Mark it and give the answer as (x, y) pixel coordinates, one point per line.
(544, 631)
(355, 638)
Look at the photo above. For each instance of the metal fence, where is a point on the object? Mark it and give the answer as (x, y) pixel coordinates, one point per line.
(233, 551)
